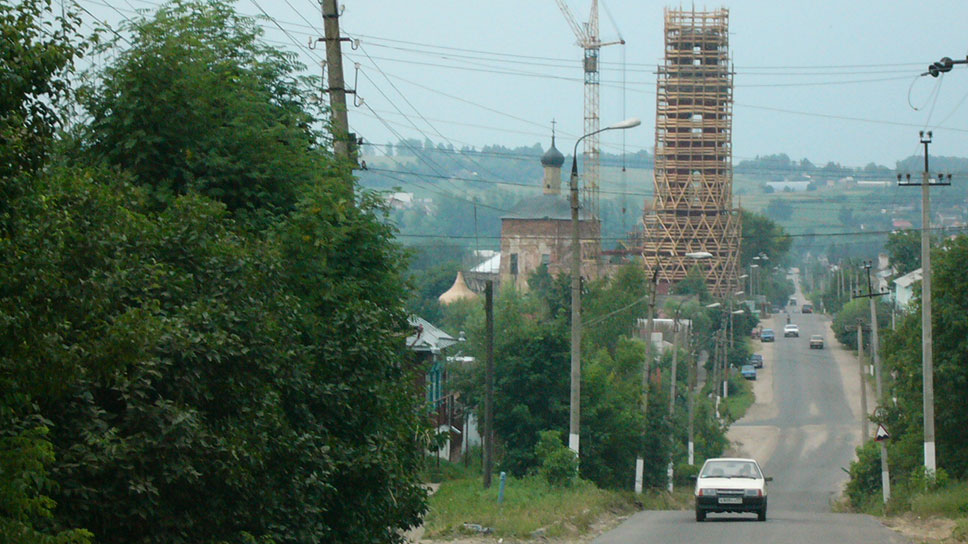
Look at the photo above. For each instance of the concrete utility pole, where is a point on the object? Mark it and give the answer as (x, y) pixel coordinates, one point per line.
(574, 418)
(693, 368)
(489, 384)
(646, 370)
(342, 140)
(927, 361)
(885, 470)
(863, 380)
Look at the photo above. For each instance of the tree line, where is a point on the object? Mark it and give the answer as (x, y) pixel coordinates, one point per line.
(203, 328)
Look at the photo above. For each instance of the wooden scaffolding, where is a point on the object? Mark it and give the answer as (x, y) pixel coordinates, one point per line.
(692, 210)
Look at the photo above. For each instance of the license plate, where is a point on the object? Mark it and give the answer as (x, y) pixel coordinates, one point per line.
(730, 500)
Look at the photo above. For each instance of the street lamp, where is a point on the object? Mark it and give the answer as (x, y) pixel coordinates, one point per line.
(697, 255)
(575, 401)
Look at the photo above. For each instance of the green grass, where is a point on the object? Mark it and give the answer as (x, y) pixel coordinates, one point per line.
(530, 504)
(740, 397)
(950, 501)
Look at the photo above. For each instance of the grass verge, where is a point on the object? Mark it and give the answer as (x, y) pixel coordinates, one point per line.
(740, 397)
(531, 504)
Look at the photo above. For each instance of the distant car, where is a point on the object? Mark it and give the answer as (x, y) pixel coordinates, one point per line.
(748, 372)
(816, 342)
(766, 335)
(775, 310)
(729, 484)
(756, 360)
(791, 330)
(806, 309)
(793, 302)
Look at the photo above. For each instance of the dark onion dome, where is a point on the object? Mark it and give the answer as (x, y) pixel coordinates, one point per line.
(553, 157)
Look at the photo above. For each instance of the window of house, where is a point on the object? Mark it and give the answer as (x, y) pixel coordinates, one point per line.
(546, 259)
(514, 264)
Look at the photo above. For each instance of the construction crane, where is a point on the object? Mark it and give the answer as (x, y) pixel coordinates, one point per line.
(587, 36)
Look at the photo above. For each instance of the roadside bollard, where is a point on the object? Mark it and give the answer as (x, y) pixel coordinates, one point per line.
(500, 489)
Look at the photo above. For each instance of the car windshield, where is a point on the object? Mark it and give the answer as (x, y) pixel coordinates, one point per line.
(730, 469)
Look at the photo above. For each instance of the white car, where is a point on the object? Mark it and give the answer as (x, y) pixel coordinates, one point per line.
(791, 330)
(730, 484)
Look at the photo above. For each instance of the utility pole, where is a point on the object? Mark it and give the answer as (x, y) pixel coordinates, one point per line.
(885, 470)
(646, 370)
(693, 367)
(672, 395)
(927, 361)
(574, 418)
(343, 141)
(489, 384)
(863, 380)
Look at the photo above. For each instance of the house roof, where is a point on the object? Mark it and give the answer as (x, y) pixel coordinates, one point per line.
(490, 266)
(428, 337)
(909, 278)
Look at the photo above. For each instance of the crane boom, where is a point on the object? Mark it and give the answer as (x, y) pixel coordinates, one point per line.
(575, 27)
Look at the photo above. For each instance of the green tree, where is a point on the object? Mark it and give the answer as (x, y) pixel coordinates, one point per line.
(904, 249)
(611, 307)
(762, 236)
(199, 103)
(902, 361)
(38, 49)
(693, 284)
(778, 209)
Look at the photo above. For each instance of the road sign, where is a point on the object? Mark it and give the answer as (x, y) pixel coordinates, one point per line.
(881, 434)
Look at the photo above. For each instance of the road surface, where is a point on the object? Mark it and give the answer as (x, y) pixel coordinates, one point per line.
(802, 429)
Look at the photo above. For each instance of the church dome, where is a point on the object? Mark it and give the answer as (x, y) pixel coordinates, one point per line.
(458, 291)
(553, 157)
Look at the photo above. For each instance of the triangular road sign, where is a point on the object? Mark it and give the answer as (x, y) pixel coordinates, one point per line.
(881, 434)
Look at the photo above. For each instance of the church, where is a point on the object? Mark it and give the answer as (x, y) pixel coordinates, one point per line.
(537, 231)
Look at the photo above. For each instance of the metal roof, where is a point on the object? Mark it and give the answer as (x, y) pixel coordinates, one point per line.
(548, 207)
(428, 337)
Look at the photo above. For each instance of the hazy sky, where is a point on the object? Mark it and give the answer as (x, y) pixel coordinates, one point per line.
(823, 80)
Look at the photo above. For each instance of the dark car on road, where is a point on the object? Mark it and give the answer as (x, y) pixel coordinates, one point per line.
(766, 335)
(806, 309)
(748, 372)
(756, 360)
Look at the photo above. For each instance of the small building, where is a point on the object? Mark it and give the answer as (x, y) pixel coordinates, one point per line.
(444, 408)
(904, 288)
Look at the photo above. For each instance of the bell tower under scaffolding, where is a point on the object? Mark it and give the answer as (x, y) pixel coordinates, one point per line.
(692, 210)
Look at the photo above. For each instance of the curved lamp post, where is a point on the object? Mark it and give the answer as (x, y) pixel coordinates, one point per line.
(575, 401)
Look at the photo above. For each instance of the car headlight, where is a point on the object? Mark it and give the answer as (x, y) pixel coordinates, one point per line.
(754, 492)
(707, 492)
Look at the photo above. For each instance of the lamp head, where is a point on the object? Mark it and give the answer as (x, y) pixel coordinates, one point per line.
(628, 123)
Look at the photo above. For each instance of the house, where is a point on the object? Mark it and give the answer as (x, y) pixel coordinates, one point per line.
(444, 407)
(904, 288)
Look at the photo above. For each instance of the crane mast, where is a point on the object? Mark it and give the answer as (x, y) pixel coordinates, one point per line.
(587, 38)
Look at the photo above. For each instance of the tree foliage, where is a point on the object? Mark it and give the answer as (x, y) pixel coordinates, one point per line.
(901, 355)
(199, 103)
(904, 249)
(37, 49)
(170, 377)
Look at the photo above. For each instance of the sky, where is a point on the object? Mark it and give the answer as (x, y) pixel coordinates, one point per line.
(822, 80)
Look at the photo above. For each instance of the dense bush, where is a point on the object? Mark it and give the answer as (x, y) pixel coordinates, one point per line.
(557, 464)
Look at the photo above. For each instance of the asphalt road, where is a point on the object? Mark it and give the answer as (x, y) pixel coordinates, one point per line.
(802, 429)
